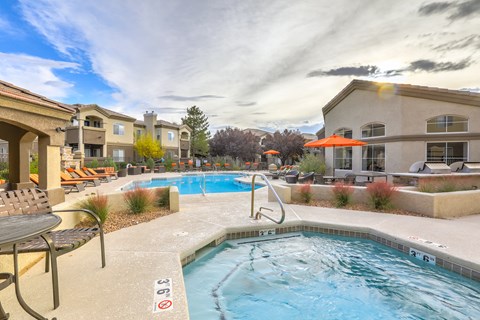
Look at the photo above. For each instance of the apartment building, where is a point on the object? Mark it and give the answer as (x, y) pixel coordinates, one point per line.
(174, 138)
(402, 124)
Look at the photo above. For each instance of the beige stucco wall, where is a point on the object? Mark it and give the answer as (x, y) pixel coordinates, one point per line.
(403, 117)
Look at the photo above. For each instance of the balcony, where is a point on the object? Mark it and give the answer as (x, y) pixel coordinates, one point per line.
(92, 135)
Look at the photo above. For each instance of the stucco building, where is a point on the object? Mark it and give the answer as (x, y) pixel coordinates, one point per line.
(402, 124)
(174, 138)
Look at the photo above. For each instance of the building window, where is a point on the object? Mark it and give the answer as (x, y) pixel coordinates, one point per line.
(447, 152)
(139, 133)
(74, 122)
(159, 135)
(373, 130)
(343, 155)
(118, 155)
(185, 137)
(118, 129)
(171, 136)
(373, 157)
(443, 124)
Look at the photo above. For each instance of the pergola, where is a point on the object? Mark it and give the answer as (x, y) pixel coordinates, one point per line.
(24, 116)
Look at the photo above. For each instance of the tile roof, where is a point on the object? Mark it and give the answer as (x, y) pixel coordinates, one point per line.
(107, 112)
(9, 90)
(424, 92)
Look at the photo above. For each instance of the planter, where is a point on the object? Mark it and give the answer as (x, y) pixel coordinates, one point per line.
(122, 173)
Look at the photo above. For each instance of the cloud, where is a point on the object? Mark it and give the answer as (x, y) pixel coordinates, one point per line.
(362, 71)
(476, 89)
(374, 71)
(465, 42)
(456, 11)
(432, 66)
(245, 104)
(191, 98)
(36, 74)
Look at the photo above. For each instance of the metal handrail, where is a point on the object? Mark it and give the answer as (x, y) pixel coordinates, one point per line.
(259, 214)
(204, 188)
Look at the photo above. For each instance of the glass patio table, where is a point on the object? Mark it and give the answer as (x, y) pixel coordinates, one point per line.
(15, 230)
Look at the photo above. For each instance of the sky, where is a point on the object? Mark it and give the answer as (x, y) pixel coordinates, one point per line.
(271, 65)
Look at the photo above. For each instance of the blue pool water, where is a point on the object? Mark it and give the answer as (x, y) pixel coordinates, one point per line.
(190, 184)
(324, 277)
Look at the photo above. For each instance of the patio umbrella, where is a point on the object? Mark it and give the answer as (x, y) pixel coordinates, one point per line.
(334, 141)
(271, 152)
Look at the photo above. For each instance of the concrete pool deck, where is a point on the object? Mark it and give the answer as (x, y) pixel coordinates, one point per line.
(141, 254)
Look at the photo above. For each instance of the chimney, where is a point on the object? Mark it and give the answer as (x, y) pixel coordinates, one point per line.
(150, 120)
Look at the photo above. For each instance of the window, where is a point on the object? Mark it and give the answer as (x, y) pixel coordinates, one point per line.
(343, 155)
(373, 130)
(74, 122)
(185, 137)
(159, 135)
(373, 157)
(442, 124)
(118, 129)
(139, 133)
(118, 155)
(171, 136)
(447, 152)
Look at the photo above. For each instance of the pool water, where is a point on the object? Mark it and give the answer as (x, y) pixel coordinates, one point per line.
(308, 276)
(191, 184)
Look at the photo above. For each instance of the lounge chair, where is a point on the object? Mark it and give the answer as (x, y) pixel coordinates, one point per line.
(227, 166)
(76, 173)
(207, 167)
(91, 172)
(247, 166)
(69, 186)
(255, 166)
(95, 182)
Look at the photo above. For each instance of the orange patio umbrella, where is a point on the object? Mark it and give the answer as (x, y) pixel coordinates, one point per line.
(271, 152)
(334, 141)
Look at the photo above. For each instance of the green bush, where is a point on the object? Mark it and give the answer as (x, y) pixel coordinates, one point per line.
(342, 194)
(380, 194)
(306, 193)
(312, 163)
(4, 173)
(97, 204)
(138, 200)
(110, 163)
(162, 196)
(150, 163)
(93, 164)
(34, 164)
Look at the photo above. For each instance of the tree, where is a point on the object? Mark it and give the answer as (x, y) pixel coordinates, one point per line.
(235, 143)
(289, 143)
(198, 122)
(147, 147)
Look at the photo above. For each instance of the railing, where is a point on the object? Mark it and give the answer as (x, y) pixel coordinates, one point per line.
(203, 184)
(259, 213)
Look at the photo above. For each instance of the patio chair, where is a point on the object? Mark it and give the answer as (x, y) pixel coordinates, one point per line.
(207, 167)
(174, 167)
(255, 166)
(292, 176)
(181, 167)
(68, 186)
(306, 178)
(247, 166)
(35, 201)
(76, 173)
(94, 182)
(227, 166)
(190, 165)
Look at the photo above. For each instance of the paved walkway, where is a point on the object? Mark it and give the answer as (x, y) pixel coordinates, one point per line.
(139, 255)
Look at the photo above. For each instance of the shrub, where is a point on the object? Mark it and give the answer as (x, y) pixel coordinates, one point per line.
(97, 204)
(138, 200)
(342, 194)
(110, 163)
(312, 163)
(162, 197)
(380, 194)
(441, 185)
(4, 173)
(150, 163)
(306, 193)
(93, 164)
(34, 164)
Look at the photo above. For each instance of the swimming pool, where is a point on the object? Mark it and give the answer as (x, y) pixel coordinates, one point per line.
(191, 184)
(310, 276)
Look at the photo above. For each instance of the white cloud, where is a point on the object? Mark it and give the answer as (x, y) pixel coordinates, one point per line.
(36, 74)
(252, 51)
